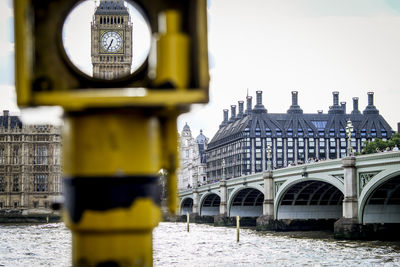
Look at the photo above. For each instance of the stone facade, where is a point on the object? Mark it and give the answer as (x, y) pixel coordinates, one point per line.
(30, 167)
(111, 41)
(192, 170)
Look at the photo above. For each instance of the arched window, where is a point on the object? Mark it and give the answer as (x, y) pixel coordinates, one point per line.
(101, 20)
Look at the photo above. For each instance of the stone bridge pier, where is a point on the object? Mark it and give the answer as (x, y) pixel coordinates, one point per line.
(348, 226)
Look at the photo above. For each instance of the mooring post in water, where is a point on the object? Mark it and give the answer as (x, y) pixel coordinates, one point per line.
(237, 228)
(187, 221)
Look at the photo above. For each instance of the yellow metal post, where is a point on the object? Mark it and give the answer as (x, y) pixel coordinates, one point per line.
(111, 148)
(111, 161)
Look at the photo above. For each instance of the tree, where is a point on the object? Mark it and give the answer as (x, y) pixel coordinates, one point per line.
(372, 146)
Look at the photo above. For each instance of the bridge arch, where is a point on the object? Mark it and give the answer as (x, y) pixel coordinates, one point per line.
(209, 204)
(246, 202)
(186, 205)
(309, 198)
(380, 199)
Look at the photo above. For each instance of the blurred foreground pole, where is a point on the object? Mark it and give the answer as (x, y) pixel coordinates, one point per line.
(111, 161)
(115, 140)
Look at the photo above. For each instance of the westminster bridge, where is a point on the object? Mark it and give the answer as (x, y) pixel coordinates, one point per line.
(358, 194)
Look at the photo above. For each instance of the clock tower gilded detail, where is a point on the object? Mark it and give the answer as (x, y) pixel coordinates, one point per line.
(111, 40)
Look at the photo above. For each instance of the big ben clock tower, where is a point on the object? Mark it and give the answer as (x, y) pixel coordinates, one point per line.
(111, 45)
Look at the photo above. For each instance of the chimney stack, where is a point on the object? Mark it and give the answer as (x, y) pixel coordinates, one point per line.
(343, 106)
(225, 115)
(370, 98)
(249, 104)
(336, 109)
(259, 98)
(233, 113)
(294, 108)
(355, 106)
(294, 98)
(259, 107)
(335, 98)
(370, 108)
(240, 104)
(225, 121)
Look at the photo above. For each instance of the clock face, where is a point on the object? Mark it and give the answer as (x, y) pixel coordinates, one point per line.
(111, 42)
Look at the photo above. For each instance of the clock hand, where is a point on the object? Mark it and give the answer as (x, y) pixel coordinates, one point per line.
(110, 44)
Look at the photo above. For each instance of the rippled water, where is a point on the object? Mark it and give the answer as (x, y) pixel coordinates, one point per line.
(204, 245)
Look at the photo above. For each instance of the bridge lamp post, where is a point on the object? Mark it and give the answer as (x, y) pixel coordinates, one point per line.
(223, 169)
(268, 157)
(349, 130)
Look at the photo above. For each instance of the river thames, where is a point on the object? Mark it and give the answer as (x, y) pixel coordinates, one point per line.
(204, 245)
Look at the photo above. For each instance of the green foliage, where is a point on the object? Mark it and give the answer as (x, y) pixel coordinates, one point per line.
(372, 147)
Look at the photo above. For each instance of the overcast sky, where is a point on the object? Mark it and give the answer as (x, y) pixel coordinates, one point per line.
(312, 46)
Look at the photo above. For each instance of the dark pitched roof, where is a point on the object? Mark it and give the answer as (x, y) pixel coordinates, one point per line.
(111, 7)
(258, 122)
(15, 122)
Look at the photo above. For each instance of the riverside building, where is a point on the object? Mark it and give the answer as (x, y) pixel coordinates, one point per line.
(30, 170)
(240, 145)
(192, 168)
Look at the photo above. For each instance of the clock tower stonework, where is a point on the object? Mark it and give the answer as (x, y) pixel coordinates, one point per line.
(111, 40)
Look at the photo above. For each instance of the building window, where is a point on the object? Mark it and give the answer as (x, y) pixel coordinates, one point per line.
(301, 153)
(354, 143)
(41, 154)
(311, 142)
(2, 184)
(15, 183)
(35, 204)
(41, 183)
(15, 155)
(258, 166)
(258, 142)
(290, 153)
(1, 205)
(301, 142)
(332, 153)
(279, 153)
(321, 142)
(342, 142)
(46, 204)
(2, 161)
(332, 142)
(290, 142)
(258, 153)
(15, 204)
(279, 142)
